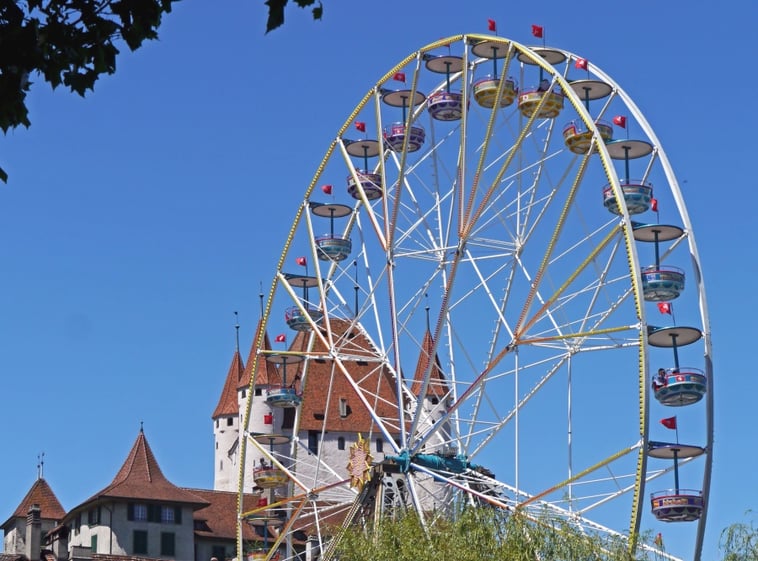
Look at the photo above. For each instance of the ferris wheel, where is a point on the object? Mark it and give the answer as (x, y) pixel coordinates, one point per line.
(490, 294)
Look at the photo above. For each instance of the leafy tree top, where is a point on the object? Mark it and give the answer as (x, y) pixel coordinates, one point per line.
(73, 42)
(276, 11)
(69, 42)
(479, 533)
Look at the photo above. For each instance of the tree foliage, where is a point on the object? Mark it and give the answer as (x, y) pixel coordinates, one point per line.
(69, 42)
(739, 542)
(276, 11)
(478, 534)
(73, 43)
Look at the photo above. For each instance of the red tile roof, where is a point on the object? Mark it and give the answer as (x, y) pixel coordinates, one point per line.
(437, 385)
(267, 372)
(40, 494)
(219, 518)
(141, 478)
(227, 403)
(375, 381)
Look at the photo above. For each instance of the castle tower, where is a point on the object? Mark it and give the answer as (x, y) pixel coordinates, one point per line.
(226, 428)
(264, 419)
(434, 401)
(432, 405)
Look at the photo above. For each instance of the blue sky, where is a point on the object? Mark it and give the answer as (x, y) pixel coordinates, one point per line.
(137, 220)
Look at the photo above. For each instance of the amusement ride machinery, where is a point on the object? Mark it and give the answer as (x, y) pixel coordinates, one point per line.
(507, 264)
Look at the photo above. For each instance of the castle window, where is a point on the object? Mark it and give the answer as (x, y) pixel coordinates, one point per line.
(343, 407)
(288, 419)
(258, 392)
(435, 400)
(313, 441)
(139, 542)
(244, 393)
(379, 445)
(230, 421)
(341, 443)
(216, 423)
(93, 516)
(168, 544)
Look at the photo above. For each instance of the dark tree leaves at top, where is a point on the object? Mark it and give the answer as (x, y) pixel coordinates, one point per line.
(69, 42)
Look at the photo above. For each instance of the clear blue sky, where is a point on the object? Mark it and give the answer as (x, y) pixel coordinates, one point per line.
(137, 220)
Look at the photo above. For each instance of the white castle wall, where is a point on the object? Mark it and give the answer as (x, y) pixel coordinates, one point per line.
(226, 439)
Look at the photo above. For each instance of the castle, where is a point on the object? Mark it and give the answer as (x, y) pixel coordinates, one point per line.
(142, 515)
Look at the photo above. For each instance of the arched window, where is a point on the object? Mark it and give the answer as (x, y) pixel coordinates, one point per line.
(341, 443)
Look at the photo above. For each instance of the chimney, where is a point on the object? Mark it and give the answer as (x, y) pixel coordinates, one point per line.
(33, 533)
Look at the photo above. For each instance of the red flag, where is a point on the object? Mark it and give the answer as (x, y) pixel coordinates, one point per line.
(669, 422)
(581, 63)
(399, 76)
(620, 121)
(281, 338)
(361, 126)
(654, 205)
(301, 261)
(664, 307)
(537, 31)
(327, 189)
(491, 25)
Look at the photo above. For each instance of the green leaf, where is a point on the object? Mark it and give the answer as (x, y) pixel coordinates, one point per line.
(275, 14)
(318, 11)
(3, 176)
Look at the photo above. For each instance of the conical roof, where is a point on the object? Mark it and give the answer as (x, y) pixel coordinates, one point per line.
(40, 494)
(437, 385)
(267, 372)
(141, 478)
(227, 403)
